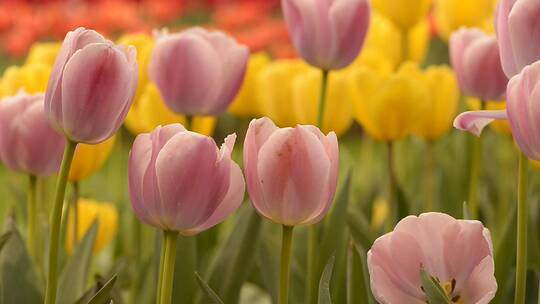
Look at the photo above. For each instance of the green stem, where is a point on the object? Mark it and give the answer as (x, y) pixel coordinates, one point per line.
(474, 177)
(32, 219)
(311, 286)
(392, 185)
(521, 260)
(56, 218)
(168, 256)
(322, 98)
(75, 204)
(189, 123)
(285, 263)
(429, 178)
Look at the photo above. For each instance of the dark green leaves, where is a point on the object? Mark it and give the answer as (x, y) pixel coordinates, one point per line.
(324, 283)
(209, 294)
(433, 290)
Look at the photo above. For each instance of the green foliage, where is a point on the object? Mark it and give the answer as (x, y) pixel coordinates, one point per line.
(324, 283)
(209, 294)
(432, 288)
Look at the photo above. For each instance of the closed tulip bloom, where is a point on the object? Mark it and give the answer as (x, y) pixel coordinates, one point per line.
(91, 87)
(443, 89)
(180, 181)
(457, 253)
(450, 15)
(198, 72)
(291, 173)
(89, 159)
(523, 98)
(27, 142)
(475, 58)
(31, 78)
(90, 211)
(327, 34)
(516, 24)
(404, 14)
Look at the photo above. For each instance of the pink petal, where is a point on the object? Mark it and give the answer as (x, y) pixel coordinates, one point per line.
(503, 37)
(481, 285)
(524, 32)
(475, 121)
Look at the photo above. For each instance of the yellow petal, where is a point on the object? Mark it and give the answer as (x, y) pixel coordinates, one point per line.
(145, 45)
(450, 15)
(404, 14)
(89, 159)
(43, 53)
(379, 214)
(245, 103)
(88, 212)
(153, 110)
(32, 78)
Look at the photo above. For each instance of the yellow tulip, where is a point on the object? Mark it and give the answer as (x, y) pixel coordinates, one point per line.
(500, 126)
(379, 214)
(382, 33)
(87, 212)
(450, 15)
(31, 78)
(443, 91)
(274, 90)
(89, 159)
(245, 104)
(305, 101)
(144, 44)
(404, 14)
(389, 106)
(43, 53)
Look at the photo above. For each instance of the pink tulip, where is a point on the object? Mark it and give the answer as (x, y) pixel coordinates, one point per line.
(198, 72)
(28, 144)
(522, 112)
(180, 181)
(456, 252)
(327, 34)
(475, 58)
(516, 24)
(91, 88)
(291, 173)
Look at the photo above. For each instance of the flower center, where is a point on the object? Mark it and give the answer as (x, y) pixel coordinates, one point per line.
(449, 288)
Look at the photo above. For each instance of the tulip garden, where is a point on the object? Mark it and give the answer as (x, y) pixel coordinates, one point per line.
(270, 151)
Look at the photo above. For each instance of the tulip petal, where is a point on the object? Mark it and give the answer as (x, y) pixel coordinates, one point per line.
(525, 31)
(481, 285)
(475, 121)
(503, 37)
(139, 160)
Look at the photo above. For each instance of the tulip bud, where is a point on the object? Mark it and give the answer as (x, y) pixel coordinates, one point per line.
(457, 253)
(180, 181)
(89, 159)
(198, 72)
(91, 87)
(327, 34)
(404, 14)
(516, 24)
(28, 144)
(475, 58)
(291, 173)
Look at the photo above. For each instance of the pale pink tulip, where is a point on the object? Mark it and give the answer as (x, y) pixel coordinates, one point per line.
(522, 112)
(458, 253)
(476, 61)
(291, 173)
(180, 181)
(517, 23)
(28, 144)
(91, 88)
(327, 34)
(198, 72)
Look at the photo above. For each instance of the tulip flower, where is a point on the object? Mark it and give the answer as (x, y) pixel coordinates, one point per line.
(475, 58)
(522, 98)
(180, 182)
(89, 211)
(516, 22)
(31, 78)
(499, 126)
(89, 159)
(91, 89)
(450, 15)
(27, 143)
(291, 176)
(246, 103)
(198, 72)
(327, 34)
(456, 253)
(404, 14)
(43, 53)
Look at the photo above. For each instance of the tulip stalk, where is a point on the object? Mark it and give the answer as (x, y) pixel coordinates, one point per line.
(474, 177)
(32, 217)
(168, 257)
(56, 219)
(392, 184)
(286, 249)
(75, 204)
(429, 177)
(522, 222)
(322, 98)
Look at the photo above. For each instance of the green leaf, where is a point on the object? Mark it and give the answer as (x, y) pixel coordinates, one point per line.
(208, 292)
(73, 278)
(359, 228)
(434, 292)
(358, 289)
(505, 253)
(4, 238)
(18, 277)
(402, 204)
(324, 283)
(237, 256)
(103, 295)
(184, 284)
